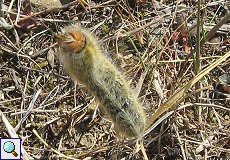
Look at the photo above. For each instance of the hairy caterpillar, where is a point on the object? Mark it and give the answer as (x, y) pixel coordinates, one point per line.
(83, 60)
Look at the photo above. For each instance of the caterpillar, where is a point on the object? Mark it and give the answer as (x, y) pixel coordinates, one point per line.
(83, 60)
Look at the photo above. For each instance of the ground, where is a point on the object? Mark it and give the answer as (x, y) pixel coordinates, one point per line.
(183, 84)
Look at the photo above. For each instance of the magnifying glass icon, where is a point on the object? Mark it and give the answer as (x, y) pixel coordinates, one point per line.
(9, 147)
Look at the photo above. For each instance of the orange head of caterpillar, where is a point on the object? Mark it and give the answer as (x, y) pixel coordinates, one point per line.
(72, 41)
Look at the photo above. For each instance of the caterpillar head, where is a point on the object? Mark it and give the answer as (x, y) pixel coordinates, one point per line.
(72, 40)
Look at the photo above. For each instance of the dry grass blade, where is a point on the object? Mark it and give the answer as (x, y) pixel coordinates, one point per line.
(57, 152)
(215, 28)
(29, 109)
(140, 83)
(173, 100)
(143, 150)
(13, 134)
